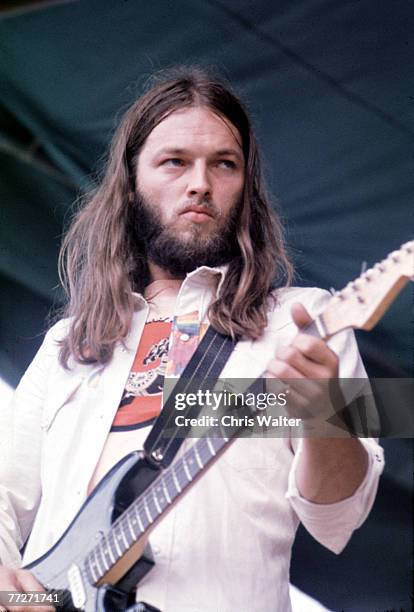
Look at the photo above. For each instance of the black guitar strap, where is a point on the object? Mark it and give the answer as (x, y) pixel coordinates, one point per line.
(201, 372)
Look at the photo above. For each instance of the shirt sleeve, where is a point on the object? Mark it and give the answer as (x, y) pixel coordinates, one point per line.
(332, 524)
(20, 454)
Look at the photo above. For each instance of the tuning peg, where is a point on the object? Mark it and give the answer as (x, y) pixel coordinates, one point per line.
(337, 294)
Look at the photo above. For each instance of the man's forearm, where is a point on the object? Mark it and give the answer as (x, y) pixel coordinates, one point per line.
(330, 469)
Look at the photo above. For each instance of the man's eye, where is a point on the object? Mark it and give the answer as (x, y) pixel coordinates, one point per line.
(173, 161)
(227, 163)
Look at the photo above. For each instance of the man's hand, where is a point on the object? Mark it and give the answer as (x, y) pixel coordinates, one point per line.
(310, 368)
(20, 580)
(306, 356)
(329, 469)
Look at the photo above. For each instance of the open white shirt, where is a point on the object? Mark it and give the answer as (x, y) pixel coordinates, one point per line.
(226, 545)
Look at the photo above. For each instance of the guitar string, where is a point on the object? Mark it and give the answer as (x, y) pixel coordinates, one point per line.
(123, 522)
(59, 585)
(179, 468)
(180, 471)
(141, 506)
(189, 382)
(203, 446)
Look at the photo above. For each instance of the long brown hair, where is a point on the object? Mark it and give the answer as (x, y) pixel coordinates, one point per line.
(98, 265)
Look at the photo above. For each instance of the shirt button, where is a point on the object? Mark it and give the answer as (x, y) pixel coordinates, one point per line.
(155, 550)
(184, 337)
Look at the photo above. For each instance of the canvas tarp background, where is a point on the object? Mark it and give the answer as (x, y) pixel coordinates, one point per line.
(331, 90)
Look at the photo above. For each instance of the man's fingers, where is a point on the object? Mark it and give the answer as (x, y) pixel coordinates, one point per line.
(277, 368)
(318, 352)
(21, 581)
(300, 315)
(28, 581)
(299, 360)
(313, 348)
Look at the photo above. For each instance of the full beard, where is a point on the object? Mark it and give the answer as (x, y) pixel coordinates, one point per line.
(180, 254)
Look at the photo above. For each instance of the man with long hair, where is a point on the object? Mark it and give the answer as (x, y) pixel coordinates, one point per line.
(179, 235)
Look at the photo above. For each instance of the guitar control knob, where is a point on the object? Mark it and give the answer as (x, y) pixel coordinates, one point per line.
(157, 454)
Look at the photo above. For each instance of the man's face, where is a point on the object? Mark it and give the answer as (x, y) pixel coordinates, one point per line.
(190, 178)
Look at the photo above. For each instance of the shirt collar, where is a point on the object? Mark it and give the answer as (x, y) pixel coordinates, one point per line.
(204, 275)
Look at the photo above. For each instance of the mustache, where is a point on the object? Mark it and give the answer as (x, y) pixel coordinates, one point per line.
(206, 206)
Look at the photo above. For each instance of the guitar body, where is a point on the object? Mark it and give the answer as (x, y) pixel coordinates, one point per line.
(117, 490)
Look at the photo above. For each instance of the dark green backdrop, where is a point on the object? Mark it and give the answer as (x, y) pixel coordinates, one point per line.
(331, 88)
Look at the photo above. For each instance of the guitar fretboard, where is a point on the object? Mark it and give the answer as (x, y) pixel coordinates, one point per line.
(146, 509)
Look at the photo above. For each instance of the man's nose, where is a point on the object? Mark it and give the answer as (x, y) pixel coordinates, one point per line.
(199, 183)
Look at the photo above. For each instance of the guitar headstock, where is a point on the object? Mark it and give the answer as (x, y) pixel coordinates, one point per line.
(363, 302)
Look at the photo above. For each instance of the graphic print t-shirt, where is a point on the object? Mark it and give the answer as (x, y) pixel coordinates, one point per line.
(165, 347)
(142, 396)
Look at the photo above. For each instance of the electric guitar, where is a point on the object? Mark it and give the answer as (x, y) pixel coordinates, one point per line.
(103, 554)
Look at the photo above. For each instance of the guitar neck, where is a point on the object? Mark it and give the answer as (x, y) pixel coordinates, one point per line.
(143, 513)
